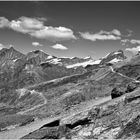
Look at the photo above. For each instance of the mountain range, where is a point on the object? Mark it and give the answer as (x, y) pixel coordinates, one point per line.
(37, 86)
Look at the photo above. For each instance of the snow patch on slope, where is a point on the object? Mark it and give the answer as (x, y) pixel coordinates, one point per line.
(50, 57)
(84, 64)
(55, 61)
(115, 60)
(21, 92)
(117, 52)
(88, 57)
(15, 60)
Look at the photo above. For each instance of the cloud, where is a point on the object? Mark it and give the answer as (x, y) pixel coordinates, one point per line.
(26, 25)
(57, 33)
(130, 32)
(59, 46)
(124, 41)
(36, 44)
(116, 32)
(1, 46)
(134, 50)
(4, 22)
(35, 27)
(102, 35)
(132, 41)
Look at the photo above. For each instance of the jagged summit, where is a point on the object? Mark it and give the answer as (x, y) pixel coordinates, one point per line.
(8, 55)
(37, 57)
(114, 57)
(10, 50)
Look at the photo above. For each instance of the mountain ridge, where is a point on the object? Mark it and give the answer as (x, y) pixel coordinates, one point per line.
(39, 85)
(64, 60)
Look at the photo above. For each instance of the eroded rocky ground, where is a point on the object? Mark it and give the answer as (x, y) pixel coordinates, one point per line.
(115, 119)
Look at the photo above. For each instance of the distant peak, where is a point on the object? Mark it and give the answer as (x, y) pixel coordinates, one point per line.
(12, 48)
(120, 50)
(115, 53)
(88, 57)
(38, 51)
(7, 49)
(113, 57)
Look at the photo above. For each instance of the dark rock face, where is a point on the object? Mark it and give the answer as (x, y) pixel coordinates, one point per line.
(132, 86)
(93, 67)
(45, 65)
(116, 92)
(52, 124)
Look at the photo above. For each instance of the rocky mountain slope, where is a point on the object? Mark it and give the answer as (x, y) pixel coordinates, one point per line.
(116, 119)
(37, 85)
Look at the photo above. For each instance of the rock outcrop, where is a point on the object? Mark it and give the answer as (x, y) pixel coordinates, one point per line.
(118, 91)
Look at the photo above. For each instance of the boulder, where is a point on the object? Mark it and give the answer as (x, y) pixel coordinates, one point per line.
(116, 92)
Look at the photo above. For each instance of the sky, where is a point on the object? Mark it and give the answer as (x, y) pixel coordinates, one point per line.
(67, 29)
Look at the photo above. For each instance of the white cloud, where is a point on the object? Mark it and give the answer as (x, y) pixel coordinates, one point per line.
(4, 22)
(134, 50)
(124, 41)
(36, 44)
(35, 27)
(102, 35)
(132, 41)
(1, 46)
(26, 25)
(116, 32)
(130, 32)
(59, 46)
(55, 33)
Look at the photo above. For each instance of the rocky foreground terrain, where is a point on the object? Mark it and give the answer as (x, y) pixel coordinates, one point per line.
(46, 97)
(115, 119)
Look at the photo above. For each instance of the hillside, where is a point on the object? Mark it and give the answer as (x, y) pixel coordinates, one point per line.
(37, 86)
